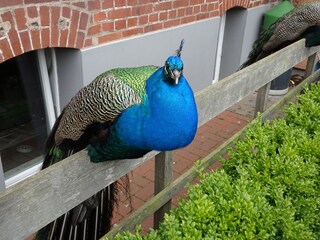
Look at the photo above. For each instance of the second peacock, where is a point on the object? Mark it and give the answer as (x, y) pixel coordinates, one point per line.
(124, 113)
(301, 22)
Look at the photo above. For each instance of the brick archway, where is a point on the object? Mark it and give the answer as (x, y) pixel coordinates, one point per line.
(23, 29)
(228, 4)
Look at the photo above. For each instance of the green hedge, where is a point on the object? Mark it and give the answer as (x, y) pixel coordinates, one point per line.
(268, 189)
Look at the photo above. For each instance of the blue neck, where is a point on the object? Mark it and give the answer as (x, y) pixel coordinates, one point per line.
(165, 120)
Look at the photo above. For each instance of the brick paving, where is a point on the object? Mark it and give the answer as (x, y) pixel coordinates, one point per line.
(209, 137)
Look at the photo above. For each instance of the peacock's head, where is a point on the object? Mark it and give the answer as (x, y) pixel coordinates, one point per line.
(173, 67)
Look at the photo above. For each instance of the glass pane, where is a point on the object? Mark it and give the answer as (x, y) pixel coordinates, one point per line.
(22, 113)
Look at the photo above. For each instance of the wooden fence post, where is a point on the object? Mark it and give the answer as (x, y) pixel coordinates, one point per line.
(2, 182)
(262, 99)
(163, 177)
(310, 65)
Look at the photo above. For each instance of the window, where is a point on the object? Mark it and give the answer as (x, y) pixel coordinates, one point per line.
(28, 89)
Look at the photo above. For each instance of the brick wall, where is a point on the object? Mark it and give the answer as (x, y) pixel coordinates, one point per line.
(27, 25)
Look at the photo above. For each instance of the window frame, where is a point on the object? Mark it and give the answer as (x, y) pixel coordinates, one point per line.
(47, 68)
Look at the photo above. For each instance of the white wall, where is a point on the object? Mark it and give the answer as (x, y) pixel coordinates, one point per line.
(153, 49)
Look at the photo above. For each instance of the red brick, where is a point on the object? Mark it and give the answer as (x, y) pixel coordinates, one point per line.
(211, 7)
(148, 223)
(83, 21)
(189, 156)
(133, 2)
(38, 1)
(132, 22)
(181, 165)
(107, 4)
(195, 2)
(55, 16)
(75, 15)
(44, 16)
(35, 38)
(7, 3)
(146, 167)
(204, 8)
(196, 9)
(188, 19)
(79, 4)
(189, 10)
(80, 40)
(120, 3)
(45, 37)
(99, 16)
(32, 12)
(172, 14)
(63, 37)
(153, 27)
(143, 20)
(7, 16)
(139, 180)
(163, 16)
(88, 42)
(181, 12)
(66, 12)
(146, 193)
(15, 42)
(153, 17)
(54, 38)
(163, 6)
(26, 42)
(94, 5)
(109, 37)
(202, 16)
(141, 10)
(108, 27)
(172, 23)
(20, 18)
(119, 13)
(178, 3)
(120, 24)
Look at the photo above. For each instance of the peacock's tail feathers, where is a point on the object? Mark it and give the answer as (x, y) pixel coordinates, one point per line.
(312, 36)
(291, 27)
(257, 52)
(87, 221)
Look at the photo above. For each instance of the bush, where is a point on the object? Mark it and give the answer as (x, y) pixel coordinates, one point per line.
(268, 189)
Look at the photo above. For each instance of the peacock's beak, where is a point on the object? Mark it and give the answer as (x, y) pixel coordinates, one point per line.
(176, 76)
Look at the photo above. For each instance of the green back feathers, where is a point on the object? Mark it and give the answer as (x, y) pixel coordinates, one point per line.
(134, 77)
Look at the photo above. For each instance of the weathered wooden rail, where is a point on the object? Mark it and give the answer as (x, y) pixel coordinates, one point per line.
(36, 201)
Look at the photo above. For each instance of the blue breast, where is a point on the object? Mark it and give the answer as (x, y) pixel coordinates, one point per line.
(167, 118)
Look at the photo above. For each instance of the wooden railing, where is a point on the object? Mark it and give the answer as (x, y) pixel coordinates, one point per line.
(38, 200)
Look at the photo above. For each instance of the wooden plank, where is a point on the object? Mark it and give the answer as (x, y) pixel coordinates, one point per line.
(157, 201)
(262, 99)
(216, 98)
(36, 201)
(163, 177)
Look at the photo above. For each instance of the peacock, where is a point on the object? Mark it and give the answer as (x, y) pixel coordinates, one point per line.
(122, 114)
(301, 22)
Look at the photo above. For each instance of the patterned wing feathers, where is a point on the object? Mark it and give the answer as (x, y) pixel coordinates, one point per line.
(293, 24)
(101, 101)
